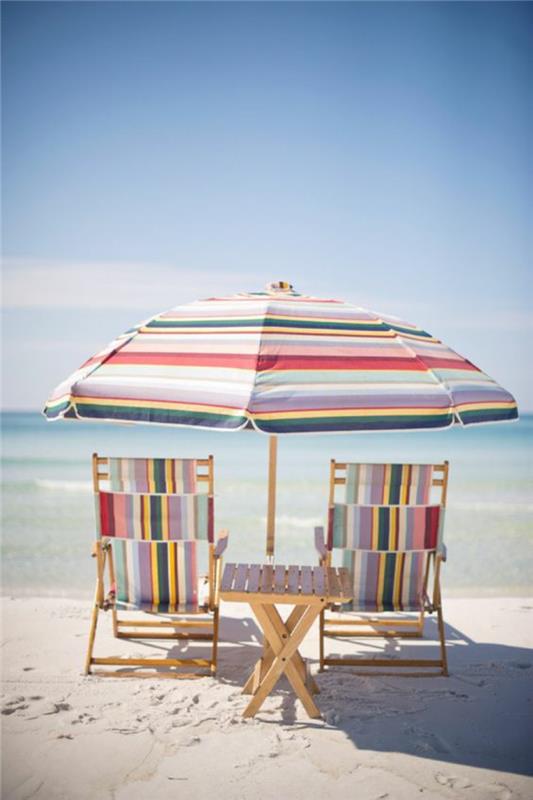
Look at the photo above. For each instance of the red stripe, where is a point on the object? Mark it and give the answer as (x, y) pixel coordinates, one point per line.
(186, 359)
(270, 362)
(107, 519)
(144, 533)
(330, 528)
(92, 360)
(328, 362)
(432, 527)
(448, 363)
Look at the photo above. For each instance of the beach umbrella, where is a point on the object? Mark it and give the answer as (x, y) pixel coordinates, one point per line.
(281, 363)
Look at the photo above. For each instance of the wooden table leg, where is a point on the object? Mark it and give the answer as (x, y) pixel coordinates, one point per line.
(261, 667)
(284, 644)
(297, 659)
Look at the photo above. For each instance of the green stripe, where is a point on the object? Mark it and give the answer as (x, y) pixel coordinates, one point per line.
(159, 475)
(369, 422)
(164, 416)
(267, 322)
(162, 573)
(395, 483)
(489, 414)
(54, 409)
(120, 571)
(422, 334)
(156, 527)
(388, 582)
(383, 528)
(339, 525)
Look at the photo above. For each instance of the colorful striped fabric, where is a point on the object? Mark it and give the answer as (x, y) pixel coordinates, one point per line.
(156, 576)
(388, 483)
(164, 475)
(387, 581)
(283, 363)
(386, 527)
(156, 517)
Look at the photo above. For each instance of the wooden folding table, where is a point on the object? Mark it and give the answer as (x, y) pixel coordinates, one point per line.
(309, 590)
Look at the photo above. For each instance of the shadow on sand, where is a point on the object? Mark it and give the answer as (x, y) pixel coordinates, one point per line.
(479, 716)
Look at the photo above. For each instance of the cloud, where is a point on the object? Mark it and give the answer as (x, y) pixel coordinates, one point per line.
(54, 284)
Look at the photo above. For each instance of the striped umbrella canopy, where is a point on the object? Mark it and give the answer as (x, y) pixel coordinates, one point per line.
(280, 362)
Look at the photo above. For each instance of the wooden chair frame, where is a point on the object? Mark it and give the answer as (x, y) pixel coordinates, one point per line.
(388, 627)
(202, 625)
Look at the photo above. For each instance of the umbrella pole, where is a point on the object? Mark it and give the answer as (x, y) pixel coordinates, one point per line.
(271, 509)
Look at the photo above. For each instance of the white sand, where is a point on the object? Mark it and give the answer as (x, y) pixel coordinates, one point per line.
(66, 736)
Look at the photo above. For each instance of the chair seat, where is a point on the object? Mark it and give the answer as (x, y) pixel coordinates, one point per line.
(370, 606)
(200, 607)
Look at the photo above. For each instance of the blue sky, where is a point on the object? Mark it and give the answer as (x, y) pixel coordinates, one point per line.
(158, 152)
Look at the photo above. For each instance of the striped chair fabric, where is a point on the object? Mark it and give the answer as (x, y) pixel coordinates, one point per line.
(388, 483)
(148, 475)
(156, 576)
(387, 530)
(157, 517)
(387, 581)
(362, 527)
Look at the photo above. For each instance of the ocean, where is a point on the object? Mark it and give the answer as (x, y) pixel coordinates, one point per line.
(48, 509)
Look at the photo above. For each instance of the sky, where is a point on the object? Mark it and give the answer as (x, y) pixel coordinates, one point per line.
(154, 153)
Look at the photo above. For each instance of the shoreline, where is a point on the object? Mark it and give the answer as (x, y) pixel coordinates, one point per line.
(474, 593)
(89, 738)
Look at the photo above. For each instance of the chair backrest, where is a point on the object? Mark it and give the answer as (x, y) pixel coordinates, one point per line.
(154, 499)
(388, 525)
(386, 507)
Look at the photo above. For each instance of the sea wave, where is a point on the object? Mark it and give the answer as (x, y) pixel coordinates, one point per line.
(290, 521)
(64, 486)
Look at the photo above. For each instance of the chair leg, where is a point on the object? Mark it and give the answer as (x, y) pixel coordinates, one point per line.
(442, 637)
(92, 634)
(321, 642)
(214, 650)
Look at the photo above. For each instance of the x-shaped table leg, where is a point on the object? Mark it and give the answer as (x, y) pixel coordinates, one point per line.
(283, 642)
(260, 669)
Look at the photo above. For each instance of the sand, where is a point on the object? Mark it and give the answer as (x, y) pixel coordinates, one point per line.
(382, 738)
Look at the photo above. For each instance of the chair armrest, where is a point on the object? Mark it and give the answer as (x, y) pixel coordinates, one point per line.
(222, 543)
(320, 543)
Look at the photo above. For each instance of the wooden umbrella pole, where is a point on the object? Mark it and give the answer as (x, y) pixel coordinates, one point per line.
(271, 510)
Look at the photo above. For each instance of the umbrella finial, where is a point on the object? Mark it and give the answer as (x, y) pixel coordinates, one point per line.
(279, 287)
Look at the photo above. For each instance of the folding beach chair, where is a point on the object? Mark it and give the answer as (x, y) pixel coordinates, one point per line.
(390, 535)
(151, 519)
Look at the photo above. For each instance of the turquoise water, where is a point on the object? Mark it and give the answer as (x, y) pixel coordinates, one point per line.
(48, 524)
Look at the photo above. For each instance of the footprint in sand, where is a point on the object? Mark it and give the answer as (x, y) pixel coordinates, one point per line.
(11, 706)
(490, 791)
(498, 791)
(55, 708)
(83, 719)
(452, 781)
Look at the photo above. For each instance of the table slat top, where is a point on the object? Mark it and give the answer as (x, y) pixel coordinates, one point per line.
(281, 583)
